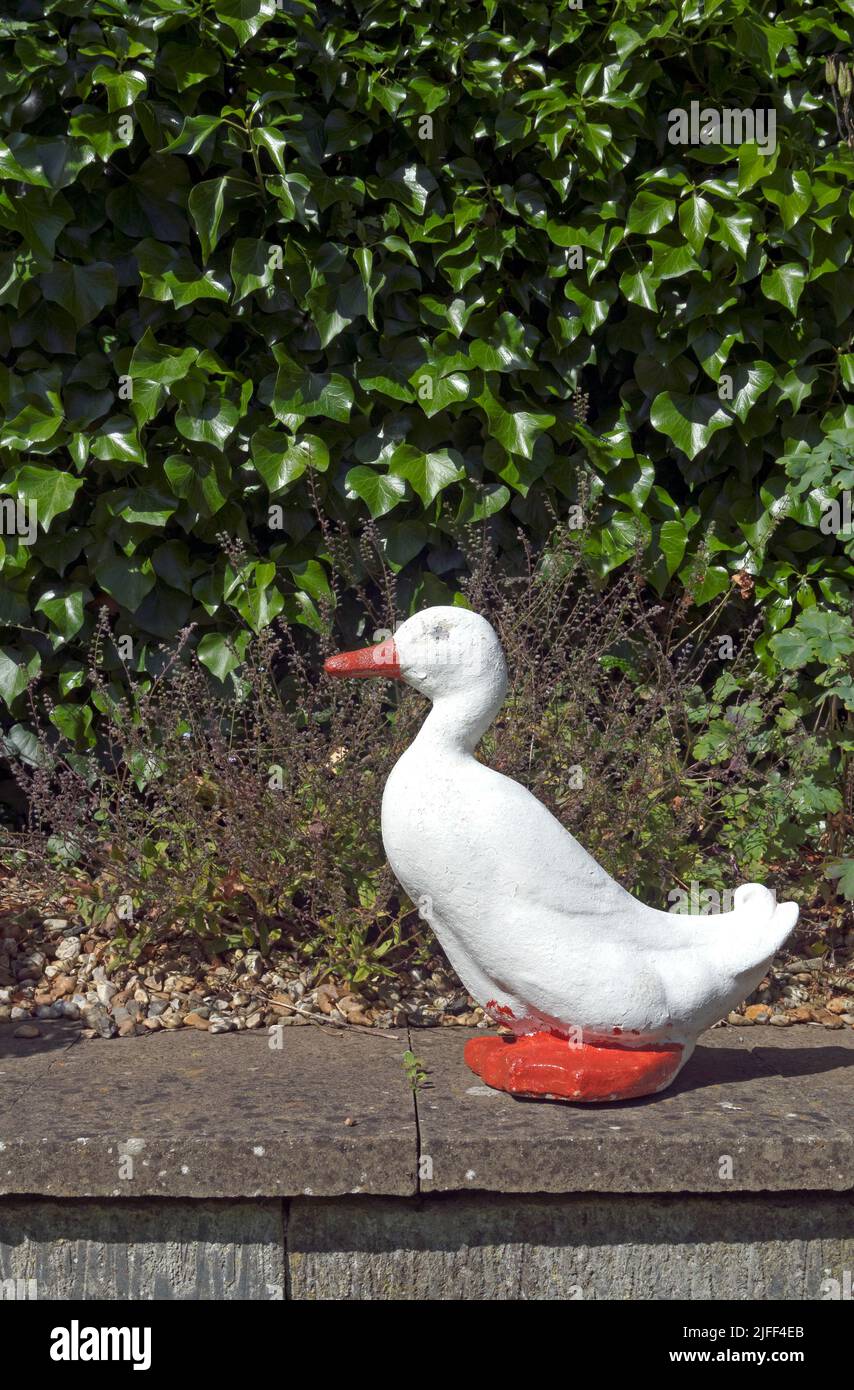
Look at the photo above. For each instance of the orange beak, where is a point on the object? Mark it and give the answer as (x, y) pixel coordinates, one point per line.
(379, 660)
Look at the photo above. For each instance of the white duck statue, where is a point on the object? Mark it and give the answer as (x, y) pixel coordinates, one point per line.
(604, 997)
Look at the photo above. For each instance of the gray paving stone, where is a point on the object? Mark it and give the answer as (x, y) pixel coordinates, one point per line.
(25, 1061)
(737, 1119)
(189, 1115)
(185, 1114)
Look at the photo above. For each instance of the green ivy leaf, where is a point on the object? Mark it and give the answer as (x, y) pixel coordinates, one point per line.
(785, 284)
(695, 219)
(280, 459)
(649, 213)
(63, 609)
(84, 290)
(690, 421)
(300, 394)
(51, 489)
(193, 134)
(379, 491)
(222, 654)
(16, 672)
(126, 580)
(427, 474)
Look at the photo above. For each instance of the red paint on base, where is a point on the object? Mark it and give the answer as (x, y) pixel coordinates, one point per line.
(544, 1064)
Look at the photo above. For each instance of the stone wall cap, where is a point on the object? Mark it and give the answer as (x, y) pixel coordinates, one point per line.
(332, 1113)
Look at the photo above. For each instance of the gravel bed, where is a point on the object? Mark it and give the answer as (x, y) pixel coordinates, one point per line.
(59, 969)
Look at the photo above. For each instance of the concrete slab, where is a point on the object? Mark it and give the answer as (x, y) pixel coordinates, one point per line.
(186, 1114)
(141, 1250)
(578, 1248)
(25, 1061)
(817, 1066)
(743, 1116)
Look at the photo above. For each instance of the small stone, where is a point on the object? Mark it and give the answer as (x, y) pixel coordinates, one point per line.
(157, 1007)
(57, 924)
(736, 1019)
(840, 1004)
(97, 1017)
(68, 949)
(218, 1024)
(326, 997)
(757, 1013)
(828, 1020)
(802, 1014)
(351, 1006)
(152, 1024)
(26, 970)
(106, 991)
(127, 1028)
(254, 1020)
(780, 1020)
(349, 1122)
(27, 1030)
(195, 1020)
(253, 964)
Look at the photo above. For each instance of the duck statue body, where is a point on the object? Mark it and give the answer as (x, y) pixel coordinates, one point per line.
(603, 997)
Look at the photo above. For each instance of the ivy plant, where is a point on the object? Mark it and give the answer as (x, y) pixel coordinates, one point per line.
(271, 266)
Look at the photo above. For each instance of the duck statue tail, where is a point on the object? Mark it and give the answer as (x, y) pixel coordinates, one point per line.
(761, 923)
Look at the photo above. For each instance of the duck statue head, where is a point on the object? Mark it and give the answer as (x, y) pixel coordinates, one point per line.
(452, 656)
(602, 997)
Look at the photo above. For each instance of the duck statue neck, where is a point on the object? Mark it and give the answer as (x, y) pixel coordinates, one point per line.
(603, 997)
